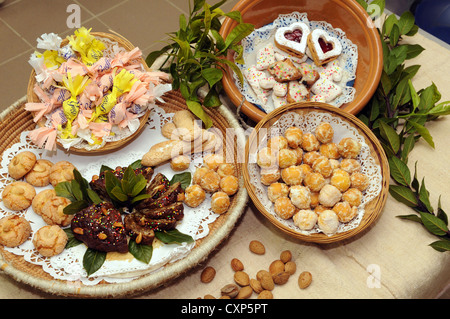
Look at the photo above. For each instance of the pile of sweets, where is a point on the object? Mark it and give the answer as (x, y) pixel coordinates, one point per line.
(88, 91)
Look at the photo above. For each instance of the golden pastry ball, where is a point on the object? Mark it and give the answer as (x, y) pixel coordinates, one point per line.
(194, 195)
(299, 152)
(353, 196)
(220, 202)
(266, 157)
(286, 158)
(340, 179)
(226, 169)
(314, 181)
(270, 175)
(210, 182)
(350, 165)
(284, 208)
(212, 161)
(310, 157)
(329, 195)
(180, 163)
(323, 166)
(345, 211)
(292, 175)
(329, 150)
(349, 147)
(324, 132)
(310, 142)
(359, 181)
(328, 222)
(305, 219)
(293, 136)
(229, 185)
(199, 173)
(277, 190)
(277, 143)
(300, 196)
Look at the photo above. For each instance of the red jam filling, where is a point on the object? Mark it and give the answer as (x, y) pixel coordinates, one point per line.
(325, 46)
(295, 35)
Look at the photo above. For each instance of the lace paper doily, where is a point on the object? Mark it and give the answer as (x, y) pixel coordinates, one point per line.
(68, 265)
(348, 60)
(342, 129)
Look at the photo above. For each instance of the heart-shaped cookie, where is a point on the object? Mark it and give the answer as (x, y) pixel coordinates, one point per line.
(293, 39)
(324, 48)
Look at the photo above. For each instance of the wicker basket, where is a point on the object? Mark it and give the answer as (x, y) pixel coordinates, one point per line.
(110, 146)
(373, 209)
(14, 120)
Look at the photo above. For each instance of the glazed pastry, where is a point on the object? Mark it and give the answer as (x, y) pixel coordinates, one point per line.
(21, 164)
(310, 157)
(284, 71)
(310, 142)
(340, 179)
(278, 101)
(329, 150)
(53, 211)
(328, 222)
(229, 185)
(324, 133)
(210, 182)
(359, 181)
(39, 175)
(220, 202)
(277, 190)
(300, 196)
(309, 74)
(333, 71)
(353, 196)
(180, 163)
(350, 165)
(314, 181)
(292, 175)
(349, 147)
(345, 211)
(194, 195)
(212, 161)
(329, 195)
(327, 89)
(286, 158)
(323, 166)
(324, 48)
(284, 208)
(280, 89)
(305, 219)
(18, 195)
(265, 57)
(277, 143)
(266, 158)
(198, 174)
(61, 171)
(158, 186)
(253, 77)
(297, 92)
(41, 199)
(226, 169)
(50, 241)
(314, 199)
(306, 169)
(293, 39)
(293, 136)
(270, 175)
(14, 230)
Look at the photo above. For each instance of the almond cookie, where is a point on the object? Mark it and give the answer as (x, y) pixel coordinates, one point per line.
(60, 172)
(53, 211)
(21, 164)
(39, 175)
(50, 240)
(41, 198)
(14, 230)
(18, 195)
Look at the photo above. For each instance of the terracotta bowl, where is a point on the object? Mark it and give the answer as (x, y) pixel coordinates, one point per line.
(347, 15)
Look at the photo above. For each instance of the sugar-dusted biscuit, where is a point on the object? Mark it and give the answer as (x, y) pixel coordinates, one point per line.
(50, 240)
(14, 230)
(333, 71)
(53, 211)
(305, 219)
(293, 39)
(309, 74)
(39, 175)
(18, 195)
(265, 57)
(61, 171)
(284, 71)
(328, 222)
(21, 164)
(41, 198)
(327, 89)
(297, 92)
(253, 77)
(324, 48)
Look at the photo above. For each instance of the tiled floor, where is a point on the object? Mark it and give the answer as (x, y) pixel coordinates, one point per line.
(144, 22)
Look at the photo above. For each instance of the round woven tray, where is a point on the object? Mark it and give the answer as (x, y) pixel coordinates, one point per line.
(372, 209)
(15, 120)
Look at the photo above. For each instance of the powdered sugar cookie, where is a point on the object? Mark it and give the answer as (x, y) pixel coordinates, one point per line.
(309, 74)
(293, 39)
(324, 48)
(265, 57)
(333, 71)
(253, 77)
(284, 71)
(297, 92)
(326, 88)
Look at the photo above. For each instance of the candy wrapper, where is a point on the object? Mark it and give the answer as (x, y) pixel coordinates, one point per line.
(91, 90)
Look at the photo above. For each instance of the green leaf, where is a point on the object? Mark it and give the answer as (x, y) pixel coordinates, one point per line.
(390, 136)
(71, 240)
(197, 110)
(183, 178)
(433, 224)
(413, 50)
(429, 97)
(441, 214)
(441, 245)
(399, 171)
(93, 196)
(440, 109)
(212, 75)
(140, 252)
(423, 131)
(64, 189)
(411, 217)
(424, 196)
(389, 24)
(139, 186)
(118, 194)
(235, 15)
(408, 146)
(139, 198)
(406, 22)
(76, 190)
(173, 237)
(394, 35)
(75, 207)
(238, 33)
(403, 194)
(414, 97)
(401, 91)
(93, 260)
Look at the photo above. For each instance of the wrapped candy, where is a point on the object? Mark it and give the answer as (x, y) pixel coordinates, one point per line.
(49, 41)
(72, 66)
(89, 48)
(48, 104)
(118, 113)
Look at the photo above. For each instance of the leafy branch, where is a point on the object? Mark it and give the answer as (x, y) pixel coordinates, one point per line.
(398, 113)
(196, 54)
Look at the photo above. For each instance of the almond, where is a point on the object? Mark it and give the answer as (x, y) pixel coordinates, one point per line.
(257, 247)
(237, 265)
(267, 282)
(230, 290)
(260, 273)
(245, 292)
(276, 267)
(290, 267)
(265, 294)
(281, 278)
(285, 256)
(207, 274)
(241, 278)
(256, 285)
(304, 280)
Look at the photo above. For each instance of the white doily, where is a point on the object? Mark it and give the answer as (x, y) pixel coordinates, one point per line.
(348, 60)
(342, 129)
(68, 265)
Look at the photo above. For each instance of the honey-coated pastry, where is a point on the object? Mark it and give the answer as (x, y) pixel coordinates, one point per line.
(226, 169)
(310, 142)
(212, 161)
(277, 143)
(353, 196)
(335, 163)
(323, 166)
(314, 181)
(340, 179)
(270, 175)
(310, 157)
(266, 157)
(359, 181)
(41, 199)
(199, 173)
(61, 171)
(277, 190)
(194, 195)
(180, 163)
(21, 164)
(229, 185)
(305, 219)
(306, 169)
(39, 175)
(328, 222)
(350, 165)
(300, 196)
(220, 202)
(18, 195)
(53, 211)
(319, 209)
(299, 152)
(284, 208)
(324, 133)
(292, 175)
(50, 240)
(330, 150)
(345, 211)
(210, 182)
(329, 195)
(349, 147)
(314, 199)
(14, 230)
(286, 158)
(293, 136)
